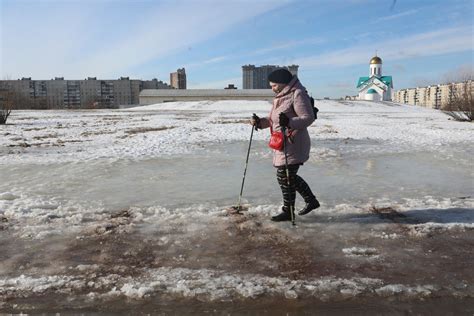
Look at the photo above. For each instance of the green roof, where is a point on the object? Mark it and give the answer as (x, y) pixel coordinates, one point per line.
(362, 80)
(385, 79)
(371, 91)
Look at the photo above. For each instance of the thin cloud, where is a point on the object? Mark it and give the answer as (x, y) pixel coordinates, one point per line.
(396, 16)
(207, 62)
(289, 44)
(270, 51)
(156, 39)
(216, 60)
(424, 44)
(158, 35)
(55, 47)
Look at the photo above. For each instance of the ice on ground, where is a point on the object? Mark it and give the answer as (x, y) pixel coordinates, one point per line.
(212, 285)
(38, 217)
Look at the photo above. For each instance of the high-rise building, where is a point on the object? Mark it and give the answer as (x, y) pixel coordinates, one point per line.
(178, 79)
(257, 77)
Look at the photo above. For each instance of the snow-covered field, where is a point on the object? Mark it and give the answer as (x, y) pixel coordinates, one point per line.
(112, 209)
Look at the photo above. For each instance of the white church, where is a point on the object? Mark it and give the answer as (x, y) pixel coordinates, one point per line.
(375, 87)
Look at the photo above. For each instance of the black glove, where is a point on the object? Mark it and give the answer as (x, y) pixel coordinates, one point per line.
(257, 121)
(284, 120)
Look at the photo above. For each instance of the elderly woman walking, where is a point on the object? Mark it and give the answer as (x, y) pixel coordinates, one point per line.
(292, 112)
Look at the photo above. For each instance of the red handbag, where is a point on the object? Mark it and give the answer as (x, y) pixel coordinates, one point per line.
(276, 139)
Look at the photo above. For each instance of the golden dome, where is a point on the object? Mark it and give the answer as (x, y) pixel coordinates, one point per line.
(376, 60)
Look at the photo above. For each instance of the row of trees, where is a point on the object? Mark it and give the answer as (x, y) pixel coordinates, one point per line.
(11, 99)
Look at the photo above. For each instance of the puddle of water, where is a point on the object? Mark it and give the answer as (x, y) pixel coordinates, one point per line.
(214, 176)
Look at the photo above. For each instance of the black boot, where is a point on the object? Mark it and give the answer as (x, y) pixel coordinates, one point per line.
(283, 216)
(311, 205)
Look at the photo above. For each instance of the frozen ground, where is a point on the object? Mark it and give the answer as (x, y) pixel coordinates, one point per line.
(105, 211)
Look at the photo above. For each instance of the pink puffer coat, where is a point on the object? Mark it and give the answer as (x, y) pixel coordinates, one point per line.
(295, 103)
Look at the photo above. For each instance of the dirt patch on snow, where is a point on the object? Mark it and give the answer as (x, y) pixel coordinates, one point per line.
(140, 130)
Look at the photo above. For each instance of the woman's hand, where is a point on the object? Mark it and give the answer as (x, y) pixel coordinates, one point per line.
(284, 120)
(255, 121)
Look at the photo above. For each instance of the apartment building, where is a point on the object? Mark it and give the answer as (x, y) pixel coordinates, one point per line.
(178, 79)
(421, 96)
(257, 77)
(88, 93)
(435, 96)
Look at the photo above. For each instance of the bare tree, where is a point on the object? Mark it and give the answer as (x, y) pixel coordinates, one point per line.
(460, 74)
(461, 104)
(6, 104)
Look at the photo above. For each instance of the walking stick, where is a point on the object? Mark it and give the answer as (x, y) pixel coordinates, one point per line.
(292, 211)
(239, 207)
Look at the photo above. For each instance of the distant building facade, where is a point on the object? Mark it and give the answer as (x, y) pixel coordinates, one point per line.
(178, 79)
(257, 77)
(74, 94)
(375, 87)
(159, 96)
(434, 96)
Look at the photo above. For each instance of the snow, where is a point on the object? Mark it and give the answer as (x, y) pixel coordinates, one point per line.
(181, 127)
(132, 204)
(358, 251)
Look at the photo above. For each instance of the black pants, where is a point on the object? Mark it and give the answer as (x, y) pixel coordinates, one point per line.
(297, 184)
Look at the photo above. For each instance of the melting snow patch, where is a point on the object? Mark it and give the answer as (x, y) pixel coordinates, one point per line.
(133, 292)
(399, 289)
(217, 285)
(429, 229)
(7, 196)
(360, 252)
(87, 267)
(385, 235)
(31, 285)
(209, 285)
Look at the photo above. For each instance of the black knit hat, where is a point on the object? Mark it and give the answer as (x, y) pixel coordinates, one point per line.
(281, 75)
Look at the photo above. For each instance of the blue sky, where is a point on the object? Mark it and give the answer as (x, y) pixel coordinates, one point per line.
(420, 42)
